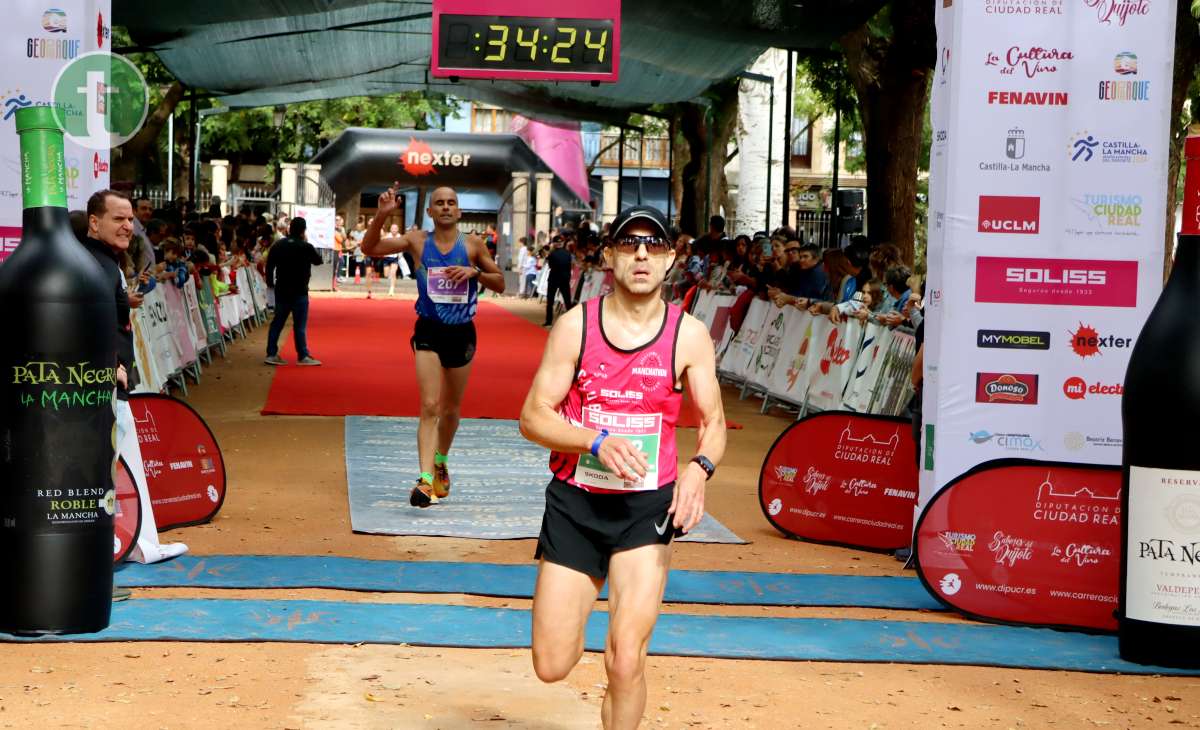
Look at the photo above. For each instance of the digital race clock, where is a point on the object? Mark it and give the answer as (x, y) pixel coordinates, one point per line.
(526, 39)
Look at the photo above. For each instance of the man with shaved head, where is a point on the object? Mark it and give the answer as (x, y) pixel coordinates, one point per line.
(449, 269)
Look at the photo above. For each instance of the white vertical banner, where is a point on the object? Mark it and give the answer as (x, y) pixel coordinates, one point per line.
(320, 224)
(40, 38)
(1048, 192)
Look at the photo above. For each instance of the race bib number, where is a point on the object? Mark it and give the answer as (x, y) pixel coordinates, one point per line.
(444, 291)
(643, 429)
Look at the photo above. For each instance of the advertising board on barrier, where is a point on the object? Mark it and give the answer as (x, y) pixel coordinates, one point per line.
(127, 521)
(1047, 553)
(185, 471)
(842, 478)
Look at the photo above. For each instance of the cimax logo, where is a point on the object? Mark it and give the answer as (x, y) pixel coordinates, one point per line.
(1066, 282)
(1009, 214)
(1013, 340)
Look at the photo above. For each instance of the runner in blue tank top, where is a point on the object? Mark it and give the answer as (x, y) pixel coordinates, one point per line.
(450, 269)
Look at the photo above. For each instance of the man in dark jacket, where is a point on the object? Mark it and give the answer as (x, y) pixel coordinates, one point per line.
(559, 279)
(289, 266)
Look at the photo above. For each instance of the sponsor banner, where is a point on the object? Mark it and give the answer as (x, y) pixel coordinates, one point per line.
(40, 39)
(185, 471)
(842, 478)
(1048, 553)
(127, 522)
(320, 224)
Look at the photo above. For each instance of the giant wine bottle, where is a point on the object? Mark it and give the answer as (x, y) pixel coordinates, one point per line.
(1159, 611)
(57, 361)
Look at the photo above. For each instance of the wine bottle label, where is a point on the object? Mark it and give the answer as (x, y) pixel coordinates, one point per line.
(43, 169)
(1162, 581)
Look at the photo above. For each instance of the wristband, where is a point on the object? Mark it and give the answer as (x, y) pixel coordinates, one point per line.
(596, 444)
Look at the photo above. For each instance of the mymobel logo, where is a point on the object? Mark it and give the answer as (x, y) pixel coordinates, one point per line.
(1013, 340)
(1009, 214)
(100, 100)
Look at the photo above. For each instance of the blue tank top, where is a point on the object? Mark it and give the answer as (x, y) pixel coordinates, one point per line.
(437, 298)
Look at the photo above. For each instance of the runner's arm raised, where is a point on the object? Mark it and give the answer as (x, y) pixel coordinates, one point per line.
(540, 420)
(373, 244)
(700, 371)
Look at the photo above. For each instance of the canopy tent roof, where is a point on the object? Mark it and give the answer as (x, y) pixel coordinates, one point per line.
(272, 52)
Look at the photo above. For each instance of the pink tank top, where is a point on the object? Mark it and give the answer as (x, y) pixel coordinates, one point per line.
(632, 394)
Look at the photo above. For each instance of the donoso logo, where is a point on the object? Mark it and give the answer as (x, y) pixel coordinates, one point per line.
(1009, 214)
(1064, 282)
(1021, 388)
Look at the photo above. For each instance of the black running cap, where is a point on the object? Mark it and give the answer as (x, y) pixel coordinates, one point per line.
(640, 214)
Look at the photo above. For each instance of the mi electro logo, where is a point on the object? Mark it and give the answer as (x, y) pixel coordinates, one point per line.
(1013, 340)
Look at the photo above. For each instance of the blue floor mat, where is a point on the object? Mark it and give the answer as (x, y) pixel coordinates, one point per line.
(179, 619)
(516, 581)
(499, 483)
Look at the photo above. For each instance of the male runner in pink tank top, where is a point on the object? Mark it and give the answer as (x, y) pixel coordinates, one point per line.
(605, 400)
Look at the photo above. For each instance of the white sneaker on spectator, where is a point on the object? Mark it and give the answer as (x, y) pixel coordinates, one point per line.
(310, 360)
(274, 360)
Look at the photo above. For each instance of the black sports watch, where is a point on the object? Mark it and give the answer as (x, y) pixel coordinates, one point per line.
(705, 464)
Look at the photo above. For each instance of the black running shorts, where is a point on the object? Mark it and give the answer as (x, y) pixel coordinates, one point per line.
(581, 530)
(453, 343)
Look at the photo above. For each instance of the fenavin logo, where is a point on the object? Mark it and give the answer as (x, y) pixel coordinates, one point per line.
(1013, 340)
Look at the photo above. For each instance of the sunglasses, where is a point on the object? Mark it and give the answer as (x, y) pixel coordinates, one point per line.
(653, 244)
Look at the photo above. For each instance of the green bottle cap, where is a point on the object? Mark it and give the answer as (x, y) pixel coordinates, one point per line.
(43, 162)
(36, 117)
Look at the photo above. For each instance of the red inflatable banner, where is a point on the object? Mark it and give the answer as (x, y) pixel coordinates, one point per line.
(184, 469)
(843, 478)
(1026, 542)
(127, 521)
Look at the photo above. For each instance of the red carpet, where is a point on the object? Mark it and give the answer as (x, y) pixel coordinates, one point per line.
(368, 364)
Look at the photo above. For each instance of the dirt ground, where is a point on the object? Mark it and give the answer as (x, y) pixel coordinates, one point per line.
(287, 495)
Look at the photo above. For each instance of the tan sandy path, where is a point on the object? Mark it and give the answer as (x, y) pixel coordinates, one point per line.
(287, 495)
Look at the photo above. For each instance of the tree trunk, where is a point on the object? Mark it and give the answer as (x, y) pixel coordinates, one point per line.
(144, 145)
(694, 121)
(1187, 56)
(891, 75)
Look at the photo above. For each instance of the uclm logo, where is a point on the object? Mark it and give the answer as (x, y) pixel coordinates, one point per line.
(1009, 214)
(1064, 282)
